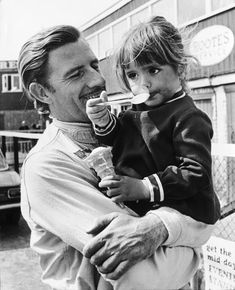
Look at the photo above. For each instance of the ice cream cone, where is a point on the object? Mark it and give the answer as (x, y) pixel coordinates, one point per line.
(100, 160)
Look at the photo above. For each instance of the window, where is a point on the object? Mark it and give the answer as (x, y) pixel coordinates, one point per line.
(218, 4)
(189, 10)
(11, 83)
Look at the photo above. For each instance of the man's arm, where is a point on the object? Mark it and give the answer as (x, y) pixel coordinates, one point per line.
(182, 230)
(121, 241)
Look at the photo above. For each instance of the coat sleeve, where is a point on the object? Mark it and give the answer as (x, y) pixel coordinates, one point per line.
(182, 229)
(108, 134)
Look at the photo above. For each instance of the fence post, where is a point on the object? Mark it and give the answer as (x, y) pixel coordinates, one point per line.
(16, 154)
(4, 145)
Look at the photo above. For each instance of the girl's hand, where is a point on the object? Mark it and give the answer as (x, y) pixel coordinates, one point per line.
(124, 188)
(97, 110)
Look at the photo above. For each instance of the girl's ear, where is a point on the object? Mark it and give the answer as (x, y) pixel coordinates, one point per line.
(39, 92)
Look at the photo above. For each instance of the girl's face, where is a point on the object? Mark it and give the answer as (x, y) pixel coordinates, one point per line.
(161, 81)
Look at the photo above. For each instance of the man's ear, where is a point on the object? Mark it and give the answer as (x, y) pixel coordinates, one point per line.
(39, 92)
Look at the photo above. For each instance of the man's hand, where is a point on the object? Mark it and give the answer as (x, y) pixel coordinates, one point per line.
(121, 241)
(97, 110)
(124, 188)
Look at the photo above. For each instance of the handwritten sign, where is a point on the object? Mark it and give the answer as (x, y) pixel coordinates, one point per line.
(219, 264)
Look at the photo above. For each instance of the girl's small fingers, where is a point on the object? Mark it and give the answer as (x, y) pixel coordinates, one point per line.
(104, 96)
(112, 177)
(112, 193)
(109, 183)
(94, 102)
(118, 198)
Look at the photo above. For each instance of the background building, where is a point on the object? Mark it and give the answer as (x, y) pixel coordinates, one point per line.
(14, 107)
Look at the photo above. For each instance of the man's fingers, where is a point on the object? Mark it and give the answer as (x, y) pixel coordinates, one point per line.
(118, 271)
(102, 223)
(92, 247)
(99, 257)
(108, 265)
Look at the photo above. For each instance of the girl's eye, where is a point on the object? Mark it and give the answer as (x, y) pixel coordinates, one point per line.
(153, 70)
(131, 76)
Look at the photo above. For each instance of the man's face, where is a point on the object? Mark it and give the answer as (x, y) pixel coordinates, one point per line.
(74, 77)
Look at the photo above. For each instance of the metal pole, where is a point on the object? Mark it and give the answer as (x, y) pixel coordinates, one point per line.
(16, 153)
(4, 149)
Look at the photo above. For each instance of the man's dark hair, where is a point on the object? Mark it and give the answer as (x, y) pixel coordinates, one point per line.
(33, 57)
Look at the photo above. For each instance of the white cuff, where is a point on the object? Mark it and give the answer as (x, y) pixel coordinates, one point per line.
(161, 191)
(148, 184)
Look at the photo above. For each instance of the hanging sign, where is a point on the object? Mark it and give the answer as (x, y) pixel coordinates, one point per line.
(212, 45)
(8, 64)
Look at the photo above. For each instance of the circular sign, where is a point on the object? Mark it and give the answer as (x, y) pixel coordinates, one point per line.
(212, 45)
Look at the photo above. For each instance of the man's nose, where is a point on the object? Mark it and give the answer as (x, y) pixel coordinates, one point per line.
(96, 79)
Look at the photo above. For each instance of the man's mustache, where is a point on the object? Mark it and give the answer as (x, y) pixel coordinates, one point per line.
(93, 94)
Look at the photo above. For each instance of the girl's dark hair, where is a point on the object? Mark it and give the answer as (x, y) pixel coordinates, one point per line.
(156, 40)
(33, 57)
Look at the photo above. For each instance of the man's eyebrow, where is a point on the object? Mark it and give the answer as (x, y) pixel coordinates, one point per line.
(72, 70)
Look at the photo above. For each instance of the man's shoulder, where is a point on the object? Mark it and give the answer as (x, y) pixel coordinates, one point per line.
(50, 146)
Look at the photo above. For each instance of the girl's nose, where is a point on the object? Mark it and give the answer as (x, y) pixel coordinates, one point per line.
(145, 82)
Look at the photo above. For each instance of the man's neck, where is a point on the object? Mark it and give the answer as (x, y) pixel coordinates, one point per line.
(80, 133)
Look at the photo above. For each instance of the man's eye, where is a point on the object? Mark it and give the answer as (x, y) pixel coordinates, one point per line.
(132, 76)
(78, 74)
(96, 67)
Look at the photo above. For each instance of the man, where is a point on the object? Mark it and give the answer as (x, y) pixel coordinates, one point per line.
(84, 240)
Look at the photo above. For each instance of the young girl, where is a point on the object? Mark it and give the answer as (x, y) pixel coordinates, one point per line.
(161, 147)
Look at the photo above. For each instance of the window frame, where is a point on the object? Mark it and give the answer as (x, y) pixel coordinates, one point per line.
(10, 87)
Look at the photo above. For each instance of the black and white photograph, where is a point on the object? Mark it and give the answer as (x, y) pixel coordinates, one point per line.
(117, 145)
